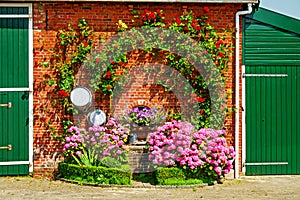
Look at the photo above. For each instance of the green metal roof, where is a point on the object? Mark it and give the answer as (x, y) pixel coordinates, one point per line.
(271, 38)
(277, 19)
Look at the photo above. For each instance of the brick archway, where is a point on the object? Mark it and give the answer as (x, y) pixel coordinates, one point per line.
(140, 103)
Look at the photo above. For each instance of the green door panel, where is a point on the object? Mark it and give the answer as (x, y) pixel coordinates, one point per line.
(14, 53)
(272, 120)
(14, 131)
(14, 73)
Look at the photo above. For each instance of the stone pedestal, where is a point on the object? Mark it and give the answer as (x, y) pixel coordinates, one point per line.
(138, 159)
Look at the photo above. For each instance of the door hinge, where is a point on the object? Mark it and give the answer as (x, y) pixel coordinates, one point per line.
(265, 75)
(8, 147)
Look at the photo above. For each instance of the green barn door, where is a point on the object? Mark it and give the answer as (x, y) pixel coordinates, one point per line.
(272, 120)
(14, 91)
(271, 56)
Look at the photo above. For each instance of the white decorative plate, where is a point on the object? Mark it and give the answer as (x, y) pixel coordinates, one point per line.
(97, 117)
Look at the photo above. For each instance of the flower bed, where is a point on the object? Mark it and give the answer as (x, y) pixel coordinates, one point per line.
(175, 145)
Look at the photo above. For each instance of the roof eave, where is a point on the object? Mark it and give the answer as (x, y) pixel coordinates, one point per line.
(166, 1)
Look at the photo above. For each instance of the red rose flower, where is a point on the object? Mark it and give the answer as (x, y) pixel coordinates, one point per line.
(85, 44)
(108, 74)
(217, 46)
(63, 94)
(97, 60)
(112, 62)
(200, 99)
(108, 87)
(194, 21)
(206, 9)
(201, 111)
(152, 16)
(222, 54)
(178, 21)
(120, 63)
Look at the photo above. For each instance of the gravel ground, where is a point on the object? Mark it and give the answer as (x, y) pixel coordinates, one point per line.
(260, 187)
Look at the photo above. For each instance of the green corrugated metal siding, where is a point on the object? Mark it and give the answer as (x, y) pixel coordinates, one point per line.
(14, 73)
(265, 44)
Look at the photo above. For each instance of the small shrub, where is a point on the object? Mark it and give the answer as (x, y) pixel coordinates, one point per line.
(165, 173)
(146, 178)
(93, 174)
(176, 176)
(176, 181)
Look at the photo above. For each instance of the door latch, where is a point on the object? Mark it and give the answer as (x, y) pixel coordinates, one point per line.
(8, 105)
(8, 147)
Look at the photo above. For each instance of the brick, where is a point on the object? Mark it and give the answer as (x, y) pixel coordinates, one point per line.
(103, 16)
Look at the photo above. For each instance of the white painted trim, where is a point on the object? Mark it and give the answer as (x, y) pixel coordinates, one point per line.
(237, 87)
(30, 89)
(265, 75)
(15, 16)
(15, 89)
(243, 120)
(16, 5)
(14, 163)
(267, 163)
(31, 62)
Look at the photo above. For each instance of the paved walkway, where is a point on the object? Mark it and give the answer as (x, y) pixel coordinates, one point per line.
(265, 187)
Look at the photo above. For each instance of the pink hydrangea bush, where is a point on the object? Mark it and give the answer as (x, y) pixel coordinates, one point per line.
(214, 152)
(108, 140)
(104, 141)
(73, 142)
(178, 144)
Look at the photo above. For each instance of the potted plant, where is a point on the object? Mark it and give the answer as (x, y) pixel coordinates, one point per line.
(144, 120)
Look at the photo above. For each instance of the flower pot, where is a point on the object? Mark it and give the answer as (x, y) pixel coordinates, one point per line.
(142, 132)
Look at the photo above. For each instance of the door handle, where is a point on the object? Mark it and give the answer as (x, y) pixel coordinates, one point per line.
(8, 147)
(8, 105)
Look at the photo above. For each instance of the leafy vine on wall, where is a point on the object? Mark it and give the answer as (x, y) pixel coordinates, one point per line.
(73, 46)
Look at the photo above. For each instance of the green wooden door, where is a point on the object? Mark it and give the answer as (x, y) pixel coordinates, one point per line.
(271, 55)
(14, 91)
(272, 120)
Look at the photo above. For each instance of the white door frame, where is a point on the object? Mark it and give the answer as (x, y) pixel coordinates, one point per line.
(30, 88)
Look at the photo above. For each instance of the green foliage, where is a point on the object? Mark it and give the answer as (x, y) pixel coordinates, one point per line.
(176, 181)
(146, 178)
(180, 176)
(73, 45)
(163, 174)
(88, 158)
(93, 174)
(111, 162)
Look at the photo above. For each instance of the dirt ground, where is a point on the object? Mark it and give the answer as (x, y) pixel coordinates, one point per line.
(259, 187)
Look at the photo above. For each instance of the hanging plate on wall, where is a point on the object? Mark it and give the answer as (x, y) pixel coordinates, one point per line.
(81, 97)
(97, 117)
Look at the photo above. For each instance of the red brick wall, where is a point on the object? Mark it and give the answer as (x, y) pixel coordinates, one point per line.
(49, 17)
